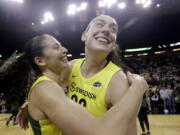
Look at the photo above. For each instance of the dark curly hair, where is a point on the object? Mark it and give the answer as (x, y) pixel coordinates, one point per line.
(116, 58)
(17, 78)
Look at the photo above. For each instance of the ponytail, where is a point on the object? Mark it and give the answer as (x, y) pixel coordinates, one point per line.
(14, 79)
(17, 78)
(116, 58)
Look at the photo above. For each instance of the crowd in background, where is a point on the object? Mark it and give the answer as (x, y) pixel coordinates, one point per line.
(162, 73)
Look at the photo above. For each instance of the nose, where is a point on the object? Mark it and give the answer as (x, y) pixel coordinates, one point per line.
(105, 30)
(65, 50)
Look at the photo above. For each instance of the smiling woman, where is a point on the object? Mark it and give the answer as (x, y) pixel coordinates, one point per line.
(37, 73)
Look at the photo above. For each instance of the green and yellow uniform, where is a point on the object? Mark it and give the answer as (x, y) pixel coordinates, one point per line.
(42, 127)
(91, 92)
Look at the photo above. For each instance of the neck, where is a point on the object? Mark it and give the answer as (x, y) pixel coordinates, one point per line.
(53, 76)
(93, 64)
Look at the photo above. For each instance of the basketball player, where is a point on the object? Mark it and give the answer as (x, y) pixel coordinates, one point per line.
(117, 84)
(143, 115)
(43, 61)
(95, 81)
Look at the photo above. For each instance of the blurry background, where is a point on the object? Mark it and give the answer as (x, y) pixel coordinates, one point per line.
(149, 38)
(142, 23)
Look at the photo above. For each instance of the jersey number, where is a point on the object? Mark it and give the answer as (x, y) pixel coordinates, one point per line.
(82, 101)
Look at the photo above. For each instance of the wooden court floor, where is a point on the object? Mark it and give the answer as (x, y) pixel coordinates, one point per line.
(159, 125)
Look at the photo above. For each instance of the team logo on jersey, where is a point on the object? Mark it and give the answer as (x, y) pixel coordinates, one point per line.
(74, 76)
(97, 84)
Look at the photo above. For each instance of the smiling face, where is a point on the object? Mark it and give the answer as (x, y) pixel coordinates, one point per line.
(54, 55)
(101, 34)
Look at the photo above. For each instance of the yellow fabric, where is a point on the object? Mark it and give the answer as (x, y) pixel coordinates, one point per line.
(90, 92)
(42, 127)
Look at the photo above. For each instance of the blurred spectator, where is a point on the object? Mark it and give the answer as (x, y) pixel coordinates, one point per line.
(163, 75)
(164, 96)
(142, 116)
(154, 101)
(170, 101)
(176, 95)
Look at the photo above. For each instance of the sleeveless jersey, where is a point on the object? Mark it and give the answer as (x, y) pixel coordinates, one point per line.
(90, 92)
(42, 127)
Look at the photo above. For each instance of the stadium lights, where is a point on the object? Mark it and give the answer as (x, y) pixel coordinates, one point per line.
(101, 4)
(69, 55)
(122, 5)
(48, 17)
(130, 55)
(158, 5)
(159, 46)
(82, 54)
(164, 46)
(178, 43)
(83, 6)
(72, 9)
(144, 3)
(42, 22)
(171, 45)
(159, 52)
(178, 49)
(142, 54)
(106, 3)
(17, 1)
(110, 3)
(140, 1)
(138, 49)
(147, 4)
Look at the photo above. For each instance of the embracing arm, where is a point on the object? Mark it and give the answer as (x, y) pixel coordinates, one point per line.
(117, 88)
(72, 118)
(69, 116)
(127, 106)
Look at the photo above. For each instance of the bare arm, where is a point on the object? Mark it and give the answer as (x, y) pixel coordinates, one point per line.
(128, 106)
(70, 117)
(75, 119)
(118, 86)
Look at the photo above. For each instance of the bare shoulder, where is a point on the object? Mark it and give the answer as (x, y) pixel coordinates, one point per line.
(41, 96)
(119, 82)
(120, 76)
(46, 88)
(44, 85)
(117, 88)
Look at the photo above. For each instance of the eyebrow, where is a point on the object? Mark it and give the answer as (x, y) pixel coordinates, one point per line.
(56, 44)
(99, 20)
(104, 21)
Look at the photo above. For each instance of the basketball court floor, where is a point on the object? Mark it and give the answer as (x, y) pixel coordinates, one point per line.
(159, 125)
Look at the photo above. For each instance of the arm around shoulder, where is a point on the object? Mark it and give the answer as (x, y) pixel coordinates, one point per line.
(69, 116)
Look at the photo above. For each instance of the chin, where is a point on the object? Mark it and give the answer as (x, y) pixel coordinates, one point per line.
(65, 65)
(105, 49)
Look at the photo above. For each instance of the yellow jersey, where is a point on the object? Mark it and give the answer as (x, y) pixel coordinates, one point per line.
(42, 127)
(91, 92)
